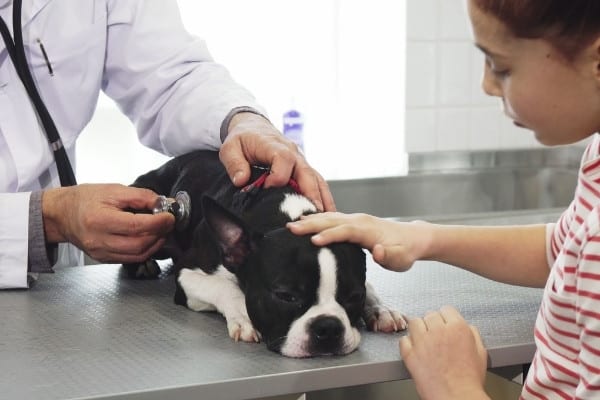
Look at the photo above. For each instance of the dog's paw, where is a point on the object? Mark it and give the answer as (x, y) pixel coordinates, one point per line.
(382, 319)
(148, 269)
(240, 328)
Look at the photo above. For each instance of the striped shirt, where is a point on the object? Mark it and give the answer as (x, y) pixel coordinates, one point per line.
(567, 330)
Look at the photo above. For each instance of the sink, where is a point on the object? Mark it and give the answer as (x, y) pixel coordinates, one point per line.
(460, 191)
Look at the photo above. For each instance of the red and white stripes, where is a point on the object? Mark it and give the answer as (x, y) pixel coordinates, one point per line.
(567, 331)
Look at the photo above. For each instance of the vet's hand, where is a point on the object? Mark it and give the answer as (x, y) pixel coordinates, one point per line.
(93, 218)
(394, 245)
(254, 140)
(445, 356)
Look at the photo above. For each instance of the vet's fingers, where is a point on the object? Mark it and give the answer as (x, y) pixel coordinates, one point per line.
(282, 162)
(235, 163)
(130, 245)
(313, 186)
(326, 195)
(135, 198)
(124, 254)
(131, 224)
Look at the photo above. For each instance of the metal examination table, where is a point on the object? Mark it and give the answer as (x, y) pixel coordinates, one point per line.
(85, 332)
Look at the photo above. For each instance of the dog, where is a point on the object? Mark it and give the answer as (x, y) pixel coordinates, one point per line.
(236, 256)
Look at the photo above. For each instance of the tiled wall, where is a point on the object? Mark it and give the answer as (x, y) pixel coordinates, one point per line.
(446, 108)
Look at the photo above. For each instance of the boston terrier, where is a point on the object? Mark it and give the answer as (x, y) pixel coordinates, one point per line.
(233, 254)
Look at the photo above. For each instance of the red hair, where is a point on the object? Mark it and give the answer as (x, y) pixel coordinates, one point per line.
(569, 25)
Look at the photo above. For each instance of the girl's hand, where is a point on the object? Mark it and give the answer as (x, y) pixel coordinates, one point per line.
(96, 219)
(394, 245)
(445, 356)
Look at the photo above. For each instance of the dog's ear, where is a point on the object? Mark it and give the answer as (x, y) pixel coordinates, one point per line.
(233, 238)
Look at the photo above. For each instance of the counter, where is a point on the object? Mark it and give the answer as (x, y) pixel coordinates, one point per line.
(88, 333)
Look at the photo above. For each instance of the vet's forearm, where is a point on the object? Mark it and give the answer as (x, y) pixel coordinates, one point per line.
(514, 255)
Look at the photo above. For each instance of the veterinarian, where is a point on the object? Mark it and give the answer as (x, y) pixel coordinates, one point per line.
(54, 60)
(542, 59)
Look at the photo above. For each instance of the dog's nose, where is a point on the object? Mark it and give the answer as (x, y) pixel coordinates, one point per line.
(327, 329)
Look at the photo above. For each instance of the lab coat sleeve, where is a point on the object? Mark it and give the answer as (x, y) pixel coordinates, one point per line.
(14, 215)
(39, 251)
(165, 80)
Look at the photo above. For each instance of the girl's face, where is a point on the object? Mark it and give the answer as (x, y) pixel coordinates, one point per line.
(556, 98)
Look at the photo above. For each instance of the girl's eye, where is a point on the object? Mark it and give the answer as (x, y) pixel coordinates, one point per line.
(500, 73)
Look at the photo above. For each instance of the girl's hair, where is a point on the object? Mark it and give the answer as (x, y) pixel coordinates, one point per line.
(569, 25)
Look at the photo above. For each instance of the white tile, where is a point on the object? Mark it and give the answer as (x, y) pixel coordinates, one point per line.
(420, 130)
(454, 71)
(454, 23)
(486, 128)
(420, 74)
(452, 130)
(422, 19)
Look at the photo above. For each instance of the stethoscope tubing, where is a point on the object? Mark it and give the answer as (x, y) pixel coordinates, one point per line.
(16, 51)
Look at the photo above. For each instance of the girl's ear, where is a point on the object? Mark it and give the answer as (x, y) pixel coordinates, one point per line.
(596, 52)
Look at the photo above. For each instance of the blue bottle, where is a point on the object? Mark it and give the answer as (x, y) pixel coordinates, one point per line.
(293, 127)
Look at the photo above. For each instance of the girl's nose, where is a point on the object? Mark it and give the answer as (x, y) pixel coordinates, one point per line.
(490, 84)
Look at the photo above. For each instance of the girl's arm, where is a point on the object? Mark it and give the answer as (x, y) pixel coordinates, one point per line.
(509, 254)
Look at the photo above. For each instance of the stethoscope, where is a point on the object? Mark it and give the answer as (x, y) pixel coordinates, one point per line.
(16, 51)
(180, 206)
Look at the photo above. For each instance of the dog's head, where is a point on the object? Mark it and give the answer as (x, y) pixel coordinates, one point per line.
(303, 299)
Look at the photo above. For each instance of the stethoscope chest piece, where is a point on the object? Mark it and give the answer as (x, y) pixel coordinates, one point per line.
(180, 207)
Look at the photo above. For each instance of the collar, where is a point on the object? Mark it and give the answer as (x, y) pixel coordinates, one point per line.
(255, 186)
(247, 193)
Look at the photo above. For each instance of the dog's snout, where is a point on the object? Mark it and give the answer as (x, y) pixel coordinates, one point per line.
(327, 329)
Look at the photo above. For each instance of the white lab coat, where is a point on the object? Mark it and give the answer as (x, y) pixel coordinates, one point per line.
(138, 53)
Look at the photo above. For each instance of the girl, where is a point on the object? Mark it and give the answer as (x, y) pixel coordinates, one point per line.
(542, 59)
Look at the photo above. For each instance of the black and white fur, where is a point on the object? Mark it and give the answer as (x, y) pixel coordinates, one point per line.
(236, 257)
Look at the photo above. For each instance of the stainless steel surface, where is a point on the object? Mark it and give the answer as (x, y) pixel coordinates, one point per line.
(462, 183)
(86, 333)
(548, 157)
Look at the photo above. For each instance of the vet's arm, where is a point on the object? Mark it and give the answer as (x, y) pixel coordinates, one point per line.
(514, 254)
(252, 139)
(95, 219)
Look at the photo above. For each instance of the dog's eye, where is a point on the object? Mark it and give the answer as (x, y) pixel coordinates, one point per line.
(288, 297)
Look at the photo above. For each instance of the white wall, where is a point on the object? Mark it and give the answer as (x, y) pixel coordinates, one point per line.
(445, 106)
(374, 78)
(341, 62)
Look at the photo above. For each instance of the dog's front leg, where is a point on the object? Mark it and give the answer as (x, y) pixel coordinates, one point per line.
(220, 291)
(379, 317)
